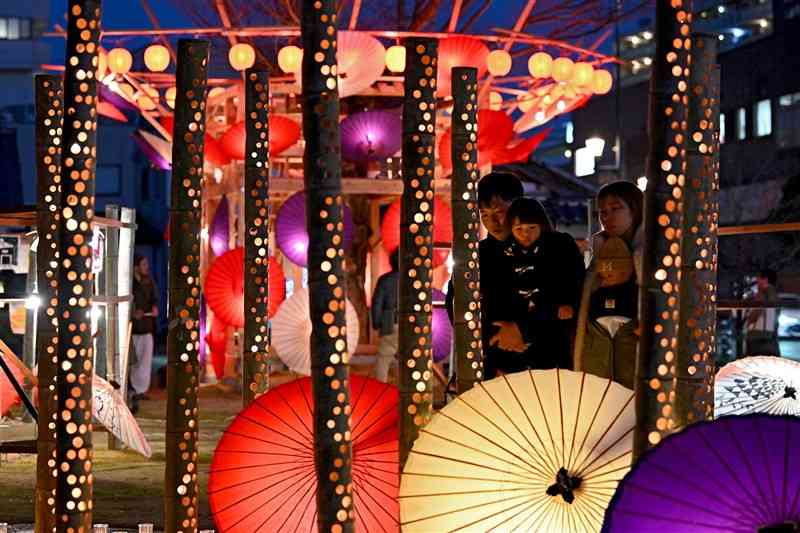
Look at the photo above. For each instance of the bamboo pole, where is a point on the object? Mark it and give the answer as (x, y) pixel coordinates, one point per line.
(466, 228)
(694, 365)
(416, 242)
(330, 371)
(255, 372)
(662, 219)
(74, 372)
(49, 107)
(181, 494)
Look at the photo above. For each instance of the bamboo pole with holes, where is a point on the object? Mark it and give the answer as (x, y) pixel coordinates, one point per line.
(181, 491)
(330, 358)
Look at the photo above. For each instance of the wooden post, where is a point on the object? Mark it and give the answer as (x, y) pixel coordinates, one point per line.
(466, 228)
(255, 370)
(666, 165)
(415, 311)
(694, 366)
(330, 370)
(181, 493)
(74, 373)
(49, 107)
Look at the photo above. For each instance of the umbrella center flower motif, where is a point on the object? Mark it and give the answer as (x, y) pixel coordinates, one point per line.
(790, 392)
(565, 485)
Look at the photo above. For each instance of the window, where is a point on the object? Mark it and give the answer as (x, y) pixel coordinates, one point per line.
(787, 121)
(741, 124)
(569, 132)
(722, 128)
(14, 29)
(789, 99)
(3, 28)
(762, 112)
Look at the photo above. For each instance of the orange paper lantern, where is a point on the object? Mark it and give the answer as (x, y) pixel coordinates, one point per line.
(562, 69)
(396, 58)
(498, 62)
(242, 56)
(540, 65)
(120, 61)
(602, 82)
(582, 74)
(290, 59)
(156, 58)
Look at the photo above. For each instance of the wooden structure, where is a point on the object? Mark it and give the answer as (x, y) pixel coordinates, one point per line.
(466, 230)
(666, 170)
(73, 501)
(255, 360)
(330, 370)
(416, 242)
(181, 492)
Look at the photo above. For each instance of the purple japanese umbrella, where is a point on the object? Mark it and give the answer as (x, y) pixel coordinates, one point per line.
(218, 236)
(370, 135)
(107, 95)
(290, 229)
(144, 141)
(441, 330)
(735, 474)
(203, 330)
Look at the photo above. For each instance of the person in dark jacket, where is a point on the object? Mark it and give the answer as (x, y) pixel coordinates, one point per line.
(384, 319)
(145, 312)
(546, 277)
(496, 191)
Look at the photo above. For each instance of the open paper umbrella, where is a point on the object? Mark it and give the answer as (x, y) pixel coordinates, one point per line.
(203, 331)
(109, 409)
(291, 233)
(737, 474)
(441, 330)
(157, 150)
(108, 110)
(360, 61)
(370, 135)
(539, 450)
(291, 330)
(762, 384)
(217, 340)
(8, 396)
(224, 287)
(442, 228)
(283, 133)
(218, 235)
(262, 475)
(459, 51)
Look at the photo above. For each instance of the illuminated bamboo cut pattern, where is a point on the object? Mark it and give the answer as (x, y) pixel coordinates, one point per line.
(666, 167)
(255, 371)
(325, 222)
(466, 228)
(416, 241)
(49, 113)
(694, 368)
(181, 493)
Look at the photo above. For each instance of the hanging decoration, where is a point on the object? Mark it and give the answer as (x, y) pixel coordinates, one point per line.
(291, 233)
(224, 287)
(219, 232)
(291, 329)
(538, 450)
(370, 136)
(442, 229)
(737, 473)
(262, 473)
(283, 134)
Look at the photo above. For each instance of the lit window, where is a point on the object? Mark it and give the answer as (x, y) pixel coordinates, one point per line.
(569, 132)
(584, 161)
(741, 124)
(13, 29)
(785, 100)
(763, 118)
(3, 28)
(25, 29)
(722, 128)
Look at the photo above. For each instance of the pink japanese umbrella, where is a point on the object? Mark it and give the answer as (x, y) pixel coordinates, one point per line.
(370, 135)
(737, 474)
(290, 229)
(224, 287)
(441, 330)
(262, 477)
(442, 228)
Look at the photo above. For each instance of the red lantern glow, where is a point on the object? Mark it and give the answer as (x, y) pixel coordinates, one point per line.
(283, 133)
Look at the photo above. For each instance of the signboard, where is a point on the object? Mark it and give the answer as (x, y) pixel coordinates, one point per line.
(9, 252)
(98, 246)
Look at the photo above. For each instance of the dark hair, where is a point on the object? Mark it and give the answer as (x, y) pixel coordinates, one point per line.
(628, 193)
(138, 259)
(529, 211)
(770, 275)
(394, 259)
(501, 184)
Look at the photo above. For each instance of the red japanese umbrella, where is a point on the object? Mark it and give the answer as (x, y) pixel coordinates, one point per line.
(442, 228)
(224, 288)
(459, 51)
(262, 475)
(496, 142)
(108, 110)
(217, 341)
(283, 133)
(8, 396)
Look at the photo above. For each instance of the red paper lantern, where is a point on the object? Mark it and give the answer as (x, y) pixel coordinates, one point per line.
(283, 133)
(442, 228)
(224, 287)
(214, 153)
(262, 476)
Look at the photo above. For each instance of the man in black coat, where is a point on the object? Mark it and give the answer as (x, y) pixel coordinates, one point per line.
(496, 191)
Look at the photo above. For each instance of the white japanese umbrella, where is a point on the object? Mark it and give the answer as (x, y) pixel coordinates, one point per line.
(539, 450)
(109, 408)
(291, 331)
(760, 384)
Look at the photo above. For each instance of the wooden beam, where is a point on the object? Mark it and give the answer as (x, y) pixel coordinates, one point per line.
(354, 14)
(368, 186)
(454, 15)
(754, 229)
